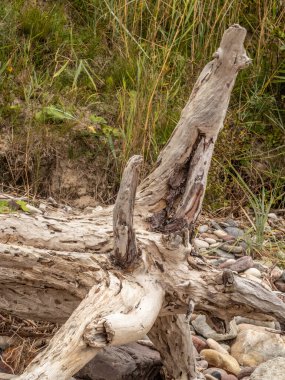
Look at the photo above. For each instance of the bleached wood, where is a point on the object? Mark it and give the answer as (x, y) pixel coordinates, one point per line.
(57, 264)
(177, 185)
(126, 252)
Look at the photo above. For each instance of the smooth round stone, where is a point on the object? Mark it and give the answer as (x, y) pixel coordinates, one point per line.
(213, 370)
(210, 240)
(231, 222)
(227, 263)
(246, 371)
(271, 215)
(220, 233)
(221, 253)
(210, 377)
(215, 245)
(199, 343)
(216, 346)
(224, 361)
(280, 285)
(232, 248)
(200, 243)
(202, 229)
(275, 274)
(234, 231)
(229, 377)
(253, 272)
(242, 264)
(260, 267)
(273, 369)
(228, 238)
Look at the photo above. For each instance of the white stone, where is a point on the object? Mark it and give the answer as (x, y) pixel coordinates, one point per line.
(203, 228)
(200, 243)
(210, 240)
(273, 369)
(220, 233)
(271, 215)
(253, 272)
(215, 245)
(255, 345)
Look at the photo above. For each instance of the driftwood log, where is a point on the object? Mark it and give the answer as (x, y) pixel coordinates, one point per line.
(125, 271)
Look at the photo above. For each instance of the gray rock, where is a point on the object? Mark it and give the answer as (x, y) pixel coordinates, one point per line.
(128, 362)
(203, 228)
(273, 369)
(198, 243)
(216, 225)
(242, 264)
(246, 371)
(234, 231)
(231, 222)
(260, 267)
(219, 252)
(232, 248)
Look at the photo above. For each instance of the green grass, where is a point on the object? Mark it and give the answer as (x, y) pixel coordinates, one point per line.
(100, 80)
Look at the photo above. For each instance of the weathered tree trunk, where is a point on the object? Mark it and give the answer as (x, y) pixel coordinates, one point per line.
(113, 276)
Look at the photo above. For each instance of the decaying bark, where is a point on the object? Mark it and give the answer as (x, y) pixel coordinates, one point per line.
(112, 276)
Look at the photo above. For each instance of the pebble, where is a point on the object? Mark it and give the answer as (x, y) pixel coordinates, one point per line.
(199, 343)
(260, 267)
(273, 369)
(220, 233)
(210, 240)
(228, 238)
(271, 215)
(242, 264)
(224, 361)
(280, 285)
(215, 245)
(202, 229)
(253, 272)
(235, 232)
(255, 345)
(207, 235)
(200, 243)
(213, 370)
(219, 252)
(232, 248)
(231, 222)
(275, 274)
(210, 377)
(227, 263)
(216, 346)
(229, 377)
(246, 371)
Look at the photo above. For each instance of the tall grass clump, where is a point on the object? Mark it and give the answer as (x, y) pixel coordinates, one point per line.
(123, 70)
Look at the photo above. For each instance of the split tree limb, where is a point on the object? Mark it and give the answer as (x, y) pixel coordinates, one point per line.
(175, 189)
(125, 249)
